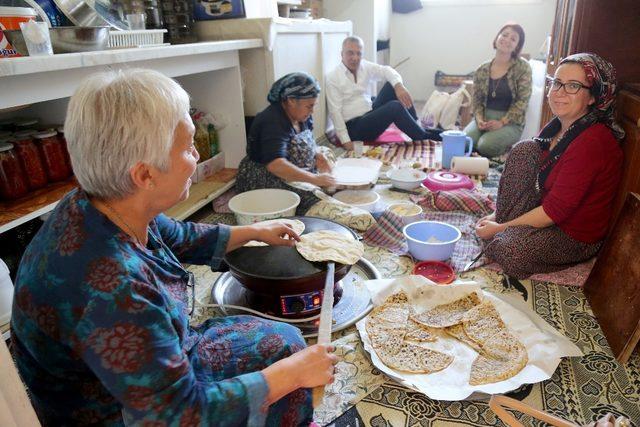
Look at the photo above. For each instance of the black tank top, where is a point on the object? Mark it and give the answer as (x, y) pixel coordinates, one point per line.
(499, 96)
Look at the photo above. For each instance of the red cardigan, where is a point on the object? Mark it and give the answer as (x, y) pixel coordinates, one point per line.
(579, 190)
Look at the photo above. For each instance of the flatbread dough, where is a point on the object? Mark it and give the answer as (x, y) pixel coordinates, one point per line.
(297, 225)
(327, 245)
(450, 314)
(503, 357)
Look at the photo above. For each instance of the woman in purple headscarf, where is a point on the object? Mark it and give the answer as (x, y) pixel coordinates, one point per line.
(553, 206)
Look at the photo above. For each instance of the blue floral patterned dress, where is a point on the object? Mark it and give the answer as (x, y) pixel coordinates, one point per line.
(101, 335)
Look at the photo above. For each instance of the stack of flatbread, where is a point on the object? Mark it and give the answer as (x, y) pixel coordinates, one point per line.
(391, 331)
(393, 326)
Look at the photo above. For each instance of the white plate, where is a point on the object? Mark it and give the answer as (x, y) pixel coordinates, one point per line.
(356, 171)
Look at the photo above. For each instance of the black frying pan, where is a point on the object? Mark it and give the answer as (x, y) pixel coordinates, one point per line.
(281, 270)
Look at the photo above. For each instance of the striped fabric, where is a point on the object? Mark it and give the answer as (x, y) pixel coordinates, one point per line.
(469, 244)
(463, 199)
(387, 233)
(406, 154)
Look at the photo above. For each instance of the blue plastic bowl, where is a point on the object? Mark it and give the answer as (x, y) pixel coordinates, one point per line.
(418, 234)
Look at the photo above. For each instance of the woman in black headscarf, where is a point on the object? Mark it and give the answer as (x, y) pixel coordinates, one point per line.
(553, 206)
(280, 145)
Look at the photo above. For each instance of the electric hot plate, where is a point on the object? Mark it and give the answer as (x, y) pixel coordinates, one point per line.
(354, 304)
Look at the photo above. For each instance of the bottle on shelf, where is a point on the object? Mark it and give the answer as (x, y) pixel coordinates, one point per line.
(178, 19)
(154, 15)
(31, 159)
(13, 183)
(54, 156)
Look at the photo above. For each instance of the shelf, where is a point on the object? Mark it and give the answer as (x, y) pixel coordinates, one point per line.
(208, 71)
(67, 61)
(38, 79)
(14, 213)
(17, 212)
(204, 192)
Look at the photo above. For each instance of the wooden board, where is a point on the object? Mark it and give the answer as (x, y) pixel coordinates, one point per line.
(613, 287)
(34, 202)
(203, 192)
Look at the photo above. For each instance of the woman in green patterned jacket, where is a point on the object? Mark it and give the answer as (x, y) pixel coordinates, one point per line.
(501, 92)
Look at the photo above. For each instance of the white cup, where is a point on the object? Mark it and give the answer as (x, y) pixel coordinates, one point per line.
(358, 148)
(136, 21)
(36, 37)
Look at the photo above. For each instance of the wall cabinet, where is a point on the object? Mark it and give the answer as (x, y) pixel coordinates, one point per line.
(609, 29)
(209, 72)
(629, 119)
(289, 45)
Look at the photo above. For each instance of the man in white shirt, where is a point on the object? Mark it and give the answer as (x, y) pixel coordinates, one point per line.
(355, 117)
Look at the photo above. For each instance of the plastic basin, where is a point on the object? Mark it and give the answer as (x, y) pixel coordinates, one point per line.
(258, 205)
(431, 240)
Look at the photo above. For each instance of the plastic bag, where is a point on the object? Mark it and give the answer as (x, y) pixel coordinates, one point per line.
(201, 137)
(430, 114)
(451, 110)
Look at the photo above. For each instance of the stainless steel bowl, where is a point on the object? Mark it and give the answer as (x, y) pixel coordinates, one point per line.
(66, 39)
(79, 39)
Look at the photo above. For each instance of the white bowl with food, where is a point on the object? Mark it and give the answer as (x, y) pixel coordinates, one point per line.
(363, 199)
(406, 178)
(259, 205)
(408, 211)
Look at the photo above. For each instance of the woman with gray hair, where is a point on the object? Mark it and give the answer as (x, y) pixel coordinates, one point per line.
(100, 321)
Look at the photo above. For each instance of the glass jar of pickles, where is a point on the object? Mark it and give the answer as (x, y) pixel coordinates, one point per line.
(32, 162)
(63, 141)
(13, 183)
(54, 156)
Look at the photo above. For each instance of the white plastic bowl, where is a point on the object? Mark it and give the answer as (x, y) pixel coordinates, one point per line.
(406, 179)
(410, 218)
(268, 203)
(363, 199)
(419, 233)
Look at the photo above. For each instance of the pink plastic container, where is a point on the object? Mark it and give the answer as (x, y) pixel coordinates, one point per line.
(446, 181)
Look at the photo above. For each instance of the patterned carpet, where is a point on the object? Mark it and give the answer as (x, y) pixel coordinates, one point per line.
(582, 389)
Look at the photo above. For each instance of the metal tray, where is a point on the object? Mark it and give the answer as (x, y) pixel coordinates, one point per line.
(353, 306)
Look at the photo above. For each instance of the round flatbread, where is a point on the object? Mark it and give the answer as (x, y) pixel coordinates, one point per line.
(297, 225)
(503, 357)
(450, 314)
(414, 359)
(482, 322)
(327, 245)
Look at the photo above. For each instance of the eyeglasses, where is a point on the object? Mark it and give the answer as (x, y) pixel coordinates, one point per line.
(569, 87)
(186, 275)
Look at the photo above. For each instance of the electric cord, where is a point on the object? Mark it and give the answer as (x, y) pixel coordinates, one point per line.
(259, 313)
